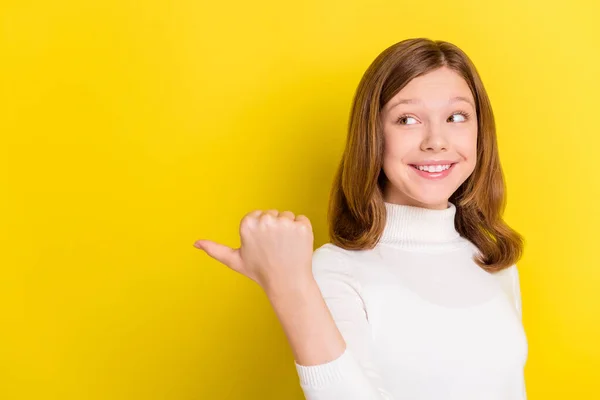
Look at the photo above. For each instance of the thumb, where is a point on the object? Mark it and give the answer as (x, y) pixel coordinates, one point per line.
(224, 254)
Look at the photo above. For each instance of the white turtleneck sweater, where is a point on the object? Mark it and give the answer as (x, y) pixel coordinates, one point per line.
(420, 319)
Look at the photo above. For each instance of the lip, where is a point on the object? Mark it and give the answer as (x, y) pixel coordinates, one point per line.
(434, 162)
(434, 175)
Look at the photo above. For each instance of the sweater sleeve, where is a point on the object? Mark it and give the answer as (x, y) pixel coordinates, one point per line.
(353, 375)
(518, 304)
(517, 291)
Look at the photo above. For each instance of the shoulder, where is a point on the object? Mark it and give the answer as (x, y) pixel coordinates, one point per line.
(508, 271)
(508, 278)
(329, 250)
(508, 275)
(329, 255)
(330, 260)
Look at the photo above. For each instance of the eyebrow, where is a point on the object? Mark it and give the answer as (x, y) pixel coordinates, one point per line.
(417, 101)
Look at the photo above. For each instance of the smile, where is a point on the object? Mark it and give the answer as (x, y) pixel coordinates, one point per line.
(433, 168)
(433, 171)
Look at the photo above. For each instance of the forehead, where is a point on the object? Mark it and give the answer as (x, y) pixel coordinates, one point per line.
(433, 90)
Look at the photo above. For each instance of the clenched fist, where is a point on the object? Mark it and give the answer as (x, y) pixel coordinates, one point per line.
(276, 248)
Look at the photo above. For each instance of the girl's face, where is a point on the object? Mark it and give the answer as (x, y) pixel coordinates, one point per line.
(430, 139)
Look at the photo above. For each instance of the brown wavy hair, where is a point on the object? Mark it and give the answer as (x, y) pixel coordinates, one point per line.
(357, 213)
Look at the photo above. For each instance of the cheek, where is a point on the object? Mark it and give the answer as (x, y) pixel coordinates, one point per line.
(467, 147)
(397, 150)
(397, 146)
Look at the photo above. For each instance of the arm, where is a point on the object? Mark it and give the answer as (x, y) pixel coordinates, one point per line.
(326, 325)
(277, 253)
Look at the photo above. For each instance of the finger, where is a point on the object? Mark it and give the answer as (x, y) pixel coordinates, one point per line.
(287, 214)
(303, 219)
(268, 216)
(255, 214)
(224, 254)
(250, 221)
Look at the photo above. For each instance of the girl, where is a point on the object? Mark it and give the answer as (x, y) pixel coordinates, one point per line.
(417, 295)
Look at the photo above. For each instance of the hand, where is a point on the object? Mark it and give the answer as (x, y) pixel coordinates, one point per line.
(276, 248)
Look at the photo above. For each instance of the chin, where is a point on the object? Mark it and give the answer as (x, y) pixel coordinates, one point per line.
(432, 201)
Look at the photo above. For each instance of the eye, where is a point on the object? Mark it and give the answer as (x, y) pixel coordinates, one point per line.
(402, 118)
(405, 117)
(463, 114)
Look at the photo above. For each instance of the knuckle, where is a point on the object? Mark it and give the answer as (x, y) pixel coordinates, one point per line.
(250, 215)
(303, 219)
(266, 221)
(249, 220)
(265, 216)
(304, 228)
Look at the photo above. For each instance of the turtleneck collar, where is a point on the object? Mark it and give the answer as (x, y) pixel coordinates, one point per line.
(418, 227)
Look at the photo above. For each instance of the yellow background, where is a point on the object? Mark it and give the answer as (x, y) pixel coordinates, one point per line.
(130, 129)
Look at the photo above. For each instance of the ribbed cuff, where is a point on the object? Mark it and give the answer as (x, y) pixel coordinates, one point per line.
(317, 376)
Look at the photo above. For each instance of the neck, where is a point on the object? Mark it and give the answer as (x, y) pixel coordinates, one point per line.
(417, 227)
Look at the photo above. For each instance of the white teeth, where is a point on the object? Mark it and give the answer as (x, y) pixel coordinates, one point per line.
(433, 168)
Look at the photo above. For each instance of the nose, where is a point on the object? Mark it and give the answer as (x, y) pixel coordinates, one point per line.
(434, 139)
